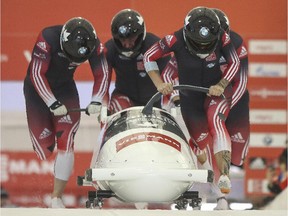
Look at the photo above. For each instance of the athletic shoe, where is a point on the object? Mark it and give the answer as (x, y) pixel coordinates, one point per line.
(222, 204)
(224, 184)
(57, 203)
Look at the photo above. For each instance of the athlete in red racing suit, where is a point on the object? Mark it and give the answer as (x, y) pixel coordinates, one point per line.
(198, 48)
(50, 91)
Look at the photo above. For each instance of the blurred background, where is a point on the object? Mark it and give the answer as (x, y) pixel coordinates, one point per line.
(263, 25)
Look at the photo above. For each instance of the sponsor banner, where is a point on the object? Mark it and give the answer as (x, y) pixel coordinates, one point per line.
(268, 140)
(268, 93)
(29, 180)
(257, 186)
(267, 69)
(265, 116)
(267, 47)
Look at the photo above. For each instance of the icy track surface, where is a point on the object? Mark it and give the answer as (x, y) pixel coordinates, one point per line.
(94, 212)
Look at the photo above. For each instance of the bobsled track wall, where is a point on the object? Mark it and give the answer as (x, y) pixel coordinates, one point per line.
(93, 212)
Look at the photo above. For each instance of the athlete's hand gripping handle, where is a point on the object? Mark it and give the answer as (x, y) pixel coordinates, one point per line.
(58, 109)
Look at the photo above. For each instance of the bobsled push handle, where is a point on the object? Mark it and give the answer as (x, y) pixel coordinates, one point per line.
(103, 112)
(77, 110)
(147, 110)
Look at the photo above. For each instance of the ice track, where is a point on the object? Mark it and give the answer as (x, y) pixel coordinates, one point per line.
(94, 212)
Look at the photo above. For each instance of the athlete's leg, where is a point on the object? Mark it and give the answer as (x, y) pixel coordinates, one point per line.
(66, 128)
(119, 102)
(40, 124)
(217, 109)
(197, 126)
(238, 126)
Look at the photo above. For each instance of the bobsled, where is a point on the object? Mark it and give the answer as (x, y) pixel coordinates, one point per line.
(142, 155)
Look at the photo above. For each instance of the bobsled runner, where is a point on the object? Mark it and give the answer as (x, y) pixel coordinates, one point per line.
(142, 155)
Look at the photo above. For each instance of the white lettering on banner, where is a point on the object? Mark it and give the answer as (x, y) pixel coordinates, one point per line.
(30, 167)
(262, 116)
(24, 167)
(267, 70)
(267, 47)
(268, 140)
(265, 93)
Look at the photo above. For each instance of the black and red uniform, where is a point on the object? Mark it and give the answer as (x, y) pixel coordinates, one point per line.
(50, 78)
(133, 86)
(237, 123)
(204, 116)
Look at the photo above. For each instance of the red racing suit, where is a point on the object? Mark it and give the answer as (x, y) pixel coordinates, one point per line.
(50, 77)
(237, 122)
(204, 116)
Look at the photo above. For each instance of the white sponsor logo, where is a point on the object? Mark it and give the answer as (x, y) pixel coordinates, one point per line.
(168, 39)
(202, 137)
(45, 133)
(262, 116)
(212, 102)
(42, 46)
(222, 60)
(237, 138)
(40, 55)
(243, 52)
(268, 47)
(267, 70)
(265, 93)
(227, 39)
(268, 139)
(65, 119)
(211, 65)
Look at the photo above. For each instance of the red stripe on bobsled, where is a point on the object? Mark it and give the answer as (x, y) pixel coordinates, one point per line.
(141, 137)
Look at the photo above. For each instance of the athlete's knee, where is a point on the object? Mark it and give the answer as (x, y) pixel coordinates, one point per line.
(64, 163)
(45, 151)
(65, 143)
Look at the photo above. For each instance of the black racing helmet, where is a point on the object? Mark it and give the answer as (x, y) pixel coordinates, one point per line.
(224, 21)
(126, 24)
(78, 39)
(201, 31)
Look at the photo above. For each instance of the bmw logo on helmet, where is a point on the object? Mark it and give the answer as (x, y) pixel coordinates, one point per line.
(123, 30)
(204, 32)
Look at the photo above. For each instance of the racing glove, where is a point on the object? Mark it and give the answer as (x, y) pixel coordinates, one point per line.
(58, 109)
(93, 108)
(218, 89)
